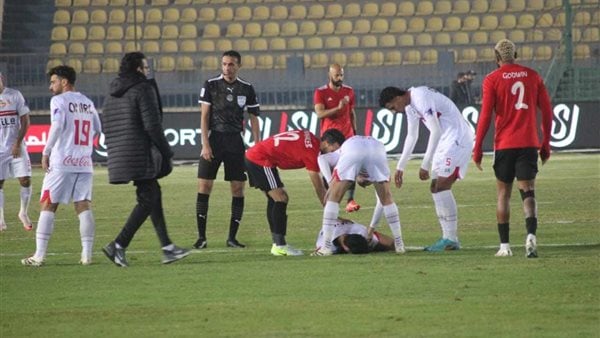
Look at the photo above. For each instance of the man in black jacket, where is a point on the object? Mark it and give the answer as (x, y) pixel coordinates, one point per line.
(137, 151)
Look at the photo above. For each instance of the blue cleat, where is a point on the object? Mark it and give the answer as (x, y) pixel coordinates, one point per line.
(443, 244)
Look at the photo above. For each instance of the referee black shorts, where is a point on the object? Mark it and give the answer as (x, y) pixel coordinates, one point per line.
(228, 148)
(519, 162)
(263, 178)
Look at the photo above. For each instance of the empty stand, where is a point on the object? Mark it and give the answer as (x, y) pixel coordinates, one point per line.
(464, 7)
(429, 57)
(59, 33)
(92, 66)
(368, 41)
(442, 39)
(150, 47)
(498, 6)
(96, 48)
(370, 9)
(424, 39)
(486, 55)
(114, 47)
(314, 42)
(98, 16)
(277, 44)
(207, 14)
(460, 38)
(270, 29)
(452, 24)
(279, 12)
(387, 41)
(58, 49)
(467, 55)
(80, 17)
(416, 25)
(333, 42)
(188, 14)
(471, 23)
(356, 59)
(406, 8)
(297, 12)
(184, 63)
(388, 9)
(542, 53)
(398, 25)
(489, 22)
(289, 28)
(479, 7)
(252, 30)
(226, 44)
(392, 58)
(259, 44)
(171, 15)
(526, 21)
(260, 13)
(434, 24)
(480, 37)
(244, 13)
(204, 45)
(151, 32)
(308, 28)
(224, 14)
(351, 10)
(406, 40)
(78, 33)
(325, 27)
(412, 57)
(169, 32)
(61, 17)
(343, 27)
(442, 7)
(350, 41)
(169, 46)
(165, 64)
(507, 21)
(76, 48)
(116, 16)
(424, 8)
(375, 59)
(361, 26)
(380, 26)
(295, 43)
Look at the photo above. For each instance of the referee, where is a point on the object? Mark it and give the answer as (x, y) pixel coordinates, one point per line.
(222, 103)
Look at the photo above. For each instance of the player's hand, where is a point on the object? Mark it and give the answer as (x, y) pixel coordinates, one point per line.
(398, 178)
(477, 156)
(343, 102)
(45, 163)
(423, 174)
(207, 153)
(370, 234)
(16, 150)
(544, 154)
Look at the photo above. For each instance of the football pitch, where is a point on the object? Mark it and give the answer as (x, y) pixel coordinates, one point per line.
(247, 292)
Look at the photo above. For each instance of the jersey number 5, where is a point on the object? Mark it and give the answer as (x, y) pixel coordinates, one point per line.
(82, 132)
(520, 88)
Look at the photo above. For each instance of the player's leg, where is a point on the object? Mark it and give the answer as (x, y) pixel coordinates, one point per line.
(235, 173)
(87, 230)
(504, 170)
(351, 204)
(207, 172)
(447, 213)
(22, 170)
(392, 215)
(526, 171)
(2, 222)
(331, 212)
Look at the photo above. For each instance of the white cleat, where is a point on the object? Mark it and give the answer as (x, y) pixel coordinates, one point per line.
(531, 246)
(3, 226)
(27, 225)
(285, 250)
(504, 252)
(32, 261)
(85, 261)
(399, 245)
(322, 252)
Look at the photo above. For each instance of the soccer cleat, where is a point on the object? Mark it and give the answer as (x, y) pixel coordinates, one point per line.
(531, 246)
(27, 225)
(3, 226)
(233, 243)
(399, 245)
(504, 252)
(32, 261)
(352, 206)
(285, 250)
(85, 261)
(115, 254)
(200, 244)
(443, 244)
(322, 252)
(170, 256)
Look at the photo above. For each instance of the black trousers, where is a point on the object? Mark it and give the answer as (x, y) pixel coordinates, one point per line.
(149, 203)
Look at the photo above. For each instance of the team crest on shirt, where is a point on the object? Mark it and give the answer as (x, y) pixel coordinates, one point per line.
(241, 101)
(4, 103)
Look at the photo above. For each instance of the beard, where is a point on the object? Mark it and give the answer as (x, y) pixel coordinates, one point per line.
(337, 83)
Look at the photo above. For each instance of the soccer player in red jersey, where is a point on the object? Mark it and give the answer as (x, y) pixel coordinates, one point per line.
(334, 105)
(514, 93)
(293, 149)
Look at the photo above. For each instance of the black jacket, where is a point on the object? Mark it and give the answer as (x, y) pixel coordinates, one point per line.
(135, 140)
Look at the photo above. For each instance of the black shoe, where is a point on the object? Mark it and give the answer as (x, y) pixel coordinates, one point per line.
(115, 254)
(233, 243)
(200, 244)
(170, 256)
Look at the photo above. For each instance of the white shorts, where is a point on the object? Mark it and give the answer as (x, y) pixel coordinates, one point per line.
(451, 158)
(62, 187)
(15, 167)
(362, 155)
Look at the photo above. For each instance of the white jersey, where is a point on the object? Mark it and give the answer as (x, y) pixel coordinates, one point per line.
(75, 122)
(342, 228)
(443, 119)
(12, 107)
(364, 156)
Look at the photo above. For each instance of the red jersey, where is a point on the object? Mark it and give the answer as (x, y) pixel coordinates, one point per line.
(514, 93)
(330, 98)
(288, 150)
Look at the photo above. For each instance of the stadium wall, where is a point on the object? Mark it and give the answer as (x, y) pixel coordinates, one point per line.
(575, 127)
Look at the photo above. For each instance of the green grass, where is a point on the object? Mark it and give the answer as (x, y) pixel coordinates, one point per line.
(249, 293)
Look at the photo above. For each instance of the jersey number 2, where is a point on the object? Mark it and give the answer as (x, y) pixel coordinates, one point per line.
(82, 132)
(520, 88)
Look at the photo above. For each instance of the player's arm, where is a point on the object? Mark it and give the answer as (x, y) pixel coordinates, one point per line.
(16, 148)
(485, 117)
(435, 132)
(323, 113)
(254, 110)
(409, 145)
(317, 182)
(546, 109)
(56, 129)
(206, 152)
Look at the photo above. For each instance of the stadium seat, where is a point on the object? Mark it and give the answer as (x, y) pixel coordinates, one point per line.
(169, 32)
(350, 41)
(471, 23)
(244, 13)
(576, 34)
(497, 6)
(339, 58)
(249, 61)
(114, 33)
(368, 41)
(224, 14)
(442, 39)
(133, 32)
(516, 36)
(526, 21)
(375, 59)
(525, 53)
(553, 34)
(361, 26)
(252, 30)
(204, 45)
(535, 35)
(535, 5)
(462, 7)
(318, 60)
(460, 38)
(78, 33)
(207, 14)
(507, 21)
(496, 36)
(289, 28)
(479, 7)
(98, 16)
(442, 7)
(277, 44)
(137, 16)
(370, 9)
(75, 63)
(307, 28)
(314, 42)
(259, 44)
(424, 39)
(295, 43)
(416, 25)
(264, 61)
(117, 3)
(325, 27)
(334, 11)
(412, 57)
(387, 41)
(61, 17)
(92, 66)
(80, 17)
(151, 32)
(424, 8)
(591, 34)
(596, 18)
(234, 30)
(261, 13)
(516, 6)
(165, 64)
(388, 9)
(553, 4)
(560, 20)
(486, 55)
(279, 12)
(333, 42)
(297, 12)
(189, 31)
(380, 26)
(581, 51)
(81, 3)
(398, 25)
(542, 53)
(151, 47)
(343, 27)
(270, 29)
(153, 15)
(434, 24)
(110, 65)
(114, 47)
(53, 63)
(96, 48)
(452, 24)
(116, 16)
(132, 46)
(582, 18)
(406, 8)
(405, 40)
(280, 62)
(96, 32)
(226, 44)
(351, 10)
(479, 37)
(467, 55)
(489, 22)
(184, 63)
(316, 12)
(58, 49)
(171, 15)
(59, 33)
(392, 58)
(545, 20)
(159, 2)
(429, 57)
(62, 3)
(76, 48)
(356, 59)
(188, 15)
(169, 46)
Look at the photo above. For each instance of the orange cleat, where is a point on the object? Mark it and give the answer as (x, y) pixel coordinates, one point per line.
(352, 206)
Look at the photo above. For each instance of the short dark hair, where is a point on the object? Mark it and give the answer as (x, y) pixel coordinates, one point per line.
(131, 62)
(460, 75)
(357, 244)
(233, 54)
(333, 136)
(388, 94)
(65, 72)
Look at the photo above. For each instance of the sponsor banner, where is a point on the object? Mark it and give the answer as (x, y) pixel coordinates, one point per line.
(575, 126)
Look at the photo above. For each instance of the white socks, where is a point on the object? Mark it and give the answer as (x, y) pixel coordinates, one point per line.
(42, 235)
(1, 206)
(393, 218)
(25, 199)
(445, 207)
(87, 229)
(377, 213)
(330, 216)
